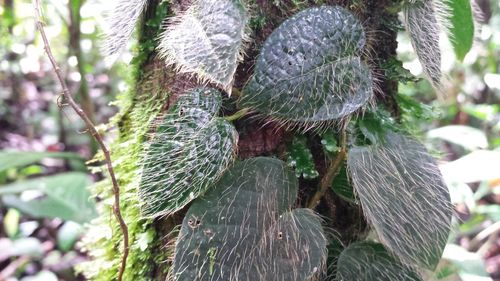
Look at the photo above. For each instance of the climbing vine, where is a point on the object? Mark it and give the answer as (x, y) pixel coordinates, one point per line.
(261, 218)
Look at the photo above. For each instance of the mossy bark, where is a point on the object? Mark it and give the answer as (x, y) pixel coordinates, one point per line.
(157, 87)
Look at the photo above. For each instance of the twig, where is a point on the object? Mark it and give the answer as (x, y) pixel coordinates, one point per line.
(93, 131)
(333, 170)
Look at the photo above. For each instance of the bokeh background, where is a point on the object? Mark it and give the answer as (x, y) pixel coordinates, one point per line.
(44, 197)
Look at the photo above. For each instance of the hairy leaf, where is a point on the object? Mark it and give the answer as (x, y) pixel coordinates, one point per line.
(207, 40)
(244, 229)
(369, 261)
(121, 20)
(404, 197)
(190, 151)
(421, 22)
(461, 26)
(309, 68)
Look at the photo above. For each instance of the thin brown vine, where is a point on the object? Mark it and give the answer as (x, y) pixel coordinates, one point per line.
(93, 131)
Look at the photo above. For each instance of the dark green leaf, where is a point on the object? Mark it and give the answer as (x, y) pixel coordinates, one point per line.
(244, 229)
(309, 69)
(14, 159)
(404, 197)
(369, 261)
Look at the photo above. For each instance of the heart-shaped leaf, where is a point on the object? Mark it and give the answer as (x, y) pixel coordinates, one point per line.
(190, 151)
(309, 68)
(369, 261)
(404, 197)
(244, 229)
(207, 40)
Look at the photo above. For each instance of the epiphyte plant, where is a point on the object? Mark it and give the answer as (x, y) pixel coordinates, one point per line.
(207, 40)
(246, 229)
(242, 218)
(190, 150)
(309, 69)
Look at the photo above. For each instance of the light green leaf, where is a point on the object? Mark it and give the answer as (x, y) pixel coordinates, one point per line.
(369, 261)
(14, 159)
(461, 29)
(11, 222)
(68, 234)
(190, 151)
(65, 197)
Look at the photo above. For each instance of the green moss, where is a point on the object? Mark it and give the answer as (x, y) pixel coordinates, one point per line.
(103, 241)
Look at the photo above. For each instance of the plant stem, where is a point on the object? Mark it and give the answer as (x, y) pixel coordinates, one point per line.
(333, 170)
(93, 131)
(237, 115)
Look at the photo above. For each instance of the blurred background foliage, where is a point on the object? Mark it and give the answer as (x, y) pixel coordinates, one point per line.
(44, 201)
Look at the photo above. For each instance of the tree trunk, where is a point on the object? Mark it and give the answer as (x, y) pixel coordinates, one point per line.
(157, 87)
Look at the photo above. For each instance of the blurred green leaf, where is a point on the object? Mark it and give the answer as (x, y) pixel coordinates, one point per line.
(18, 159)
(470, 265)
(394, 70)
(468, 137)
(11, 222)
(461, 26)
(484, 112)
(66, 197)
(68, 234)
(491, 211)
